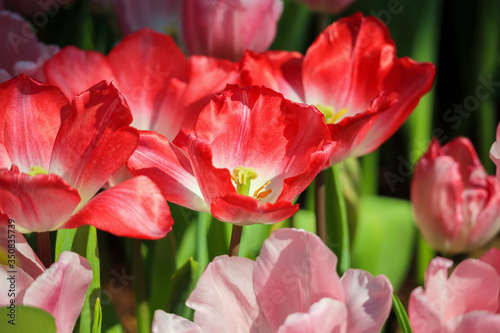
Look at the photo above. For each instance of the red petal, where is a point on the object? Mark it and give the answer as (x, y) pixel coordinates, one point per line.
(74, 70)
(134, 208)
(30, 118)
(39, 203)
(169, 168)
(243, 210)
(95, 140)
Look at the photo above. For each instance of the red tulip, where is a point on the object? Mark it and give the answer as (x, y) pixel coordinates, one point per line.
(164, 90)
(21, 51)
(59, 289)
(249, 138)
(225, 29)
(466, 301)
(456, 204)
(352, 74)
(55, 156)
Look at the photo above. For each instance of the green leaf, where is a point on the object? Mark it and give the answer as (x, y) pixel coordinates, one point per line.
(305, 219)
(252, 238)
(183, 283)
(384, 239)
(97, 316)
(163, 267)
(84, 242)
(26, 319)
(399, 310)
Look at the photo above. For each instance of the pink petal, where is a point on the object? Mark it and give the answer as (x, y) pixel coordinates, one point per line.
(74, 70)
(327, 315)
(293, 271)
(61, 290)
(167, 322)
(21, 280)
(134, 208)
(94, 140)
(24, 256)
(224, 299)
(39, 203)
(169, 168)
(478, 321)
(368, 300)
(436, 195)
(423, 313)
(30, 118)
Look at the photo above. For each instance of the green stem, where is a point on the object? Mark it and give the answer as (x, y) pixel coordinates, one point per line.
(201, 239)
(424, 256)
(141, 304)
(369, 165)
(234, 245)
(337, 226)
(44, 251)
(319, 205)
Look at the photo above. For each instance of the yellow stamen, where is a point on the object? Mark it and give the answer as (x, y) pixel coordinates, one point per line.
(261, 195)
(37, 170)
(242, 177)
(331, 117)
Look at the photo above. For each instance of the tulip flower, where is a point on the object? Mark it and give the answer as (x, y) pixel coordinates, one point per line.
(495, 153)
(326, 6)
(55, 156)
(466, 301)
(225, 29)
(492, 257)
(292, 286)
(161, 15)
(21, 51)
(251, 153)
(352, 74)
(164, 90)
(456, 205)
(59, 289)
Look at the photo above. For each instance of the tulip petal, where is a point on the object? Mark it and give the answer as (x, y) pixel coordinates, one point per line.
(30, 118)
(492, 257)
(368, 300)
(144, 65)
(74, 70)
(294, 270)
(243, 210)
(134, 208)
(478, 321)
(61, 290)
(224, 300)
(168, 322)
(327, 315)
(94, 141)
(424, 313)
(169, 168)
(14, 283)
(39, 203)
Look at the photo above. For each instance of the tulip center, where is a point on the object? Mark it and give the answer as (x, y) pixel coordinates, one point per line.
(37, 170)
(331, 117)
(242, 177)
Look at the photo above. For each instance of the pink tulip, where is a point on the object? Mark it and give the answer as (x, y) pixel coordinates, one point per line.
(160, 15)
(495, 153)
(225, 29)
(492, 257)
(292, 286)
(59, 289)
(21, 51)
(466, 301)
(327, 6)
(456, 205)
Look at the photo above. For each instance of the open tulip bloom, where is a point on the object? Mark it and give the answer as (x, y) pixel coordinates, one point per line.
(292, 286)
(59, 289)
(55, 156)
(352, 74)
(456, 204)
(466, 301)
(251, 153)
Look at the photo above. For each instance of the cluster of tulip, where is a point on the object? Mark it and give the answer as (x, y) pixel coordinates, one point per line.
(88, 139)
